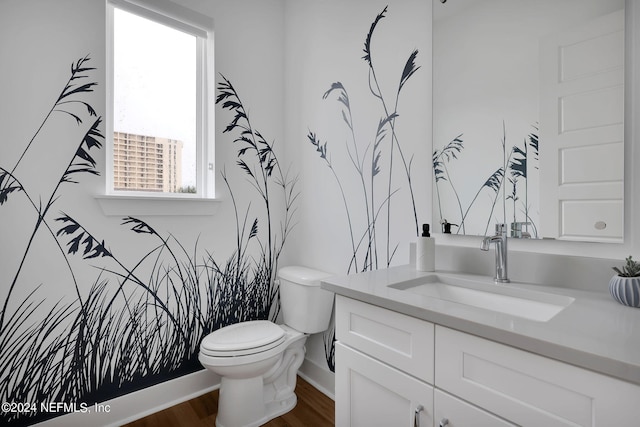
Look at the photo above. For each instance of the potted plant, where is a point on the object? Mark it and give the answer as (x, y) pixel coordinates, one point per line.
(625, 285)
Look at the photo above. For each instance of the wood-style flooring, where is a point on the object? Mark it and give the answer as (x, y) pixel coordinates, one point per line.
(314, 409)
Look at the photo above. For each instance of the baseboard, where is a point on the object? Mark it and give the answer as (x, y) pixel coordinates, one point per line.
(141, 403)
(319, 377)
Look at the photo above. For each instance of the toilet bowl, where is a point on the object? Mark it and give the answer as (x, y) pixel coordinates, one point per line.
(258, 360)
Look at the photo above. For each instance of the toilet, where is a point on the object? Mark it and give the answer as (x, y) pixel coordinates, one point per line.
(258, 360)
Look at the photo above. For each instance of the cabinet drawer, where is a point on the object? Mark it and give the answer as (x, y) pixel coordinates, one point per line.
(370, 393)
(528, 389)
(394, 338)
(461, 414)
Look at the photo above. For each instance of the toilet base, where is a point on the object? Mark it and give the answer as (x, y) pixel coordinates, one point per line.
(252, 402)
(232, 413)
(251, 416)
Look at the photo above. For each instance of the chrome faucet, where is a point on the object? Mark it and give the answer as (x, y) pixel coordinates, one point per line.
(500, 240)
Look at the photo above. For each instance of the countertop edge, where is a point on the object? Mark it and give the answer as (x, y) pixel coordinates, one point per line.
(593, 362)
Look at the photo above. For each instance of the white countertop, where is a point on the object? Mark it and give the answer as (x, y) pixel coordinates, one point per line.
(593, 332)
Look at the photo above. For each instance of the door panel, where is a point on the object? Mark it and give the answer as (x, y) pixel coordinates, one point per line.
(582, 130)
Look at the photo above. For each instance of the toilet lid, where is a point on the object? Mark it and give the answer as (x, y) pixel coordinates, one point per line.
(242, 339)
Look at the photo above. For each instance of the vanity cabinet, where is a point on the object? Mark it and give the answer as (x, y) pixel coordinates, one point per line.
(384, 367)
(371, 393)
(528, 389)
(390, 365)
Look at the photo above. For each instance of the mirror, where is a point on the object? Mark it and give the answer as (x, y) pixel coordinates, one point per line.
(528, 118)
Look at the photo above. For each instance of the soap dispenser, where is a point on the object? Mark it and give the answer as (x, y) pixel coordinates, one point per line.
(426, 251)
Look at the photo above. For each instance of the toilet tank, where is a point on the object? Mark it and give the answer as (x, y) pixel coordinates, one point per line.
(305, 306)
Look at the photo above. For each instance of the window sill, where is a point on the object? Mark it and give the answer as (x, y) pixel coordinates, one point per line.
(117, 205)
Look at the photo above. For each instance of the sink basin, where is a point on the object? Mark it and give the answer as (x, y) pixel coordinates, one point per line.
(503, 298)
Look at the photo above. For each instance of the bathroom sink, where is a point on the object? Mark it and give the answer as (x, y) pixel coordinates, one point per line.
(484, 294)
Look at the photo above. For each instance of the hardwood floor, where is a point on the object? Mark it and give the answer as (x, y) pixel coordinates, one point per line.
(314, 409)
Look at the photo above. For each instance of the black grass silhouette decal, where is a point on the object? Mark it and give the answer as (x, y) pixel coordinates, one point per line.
(140, 321)
(374, 163)
(516, 161)
(366, 158)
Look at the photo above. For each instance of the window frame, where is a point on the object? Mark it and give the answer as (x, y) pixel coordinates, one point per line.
(200, 26)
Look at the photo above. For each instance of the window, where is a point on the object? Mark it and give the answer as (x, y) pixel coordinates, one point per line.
(158, 67)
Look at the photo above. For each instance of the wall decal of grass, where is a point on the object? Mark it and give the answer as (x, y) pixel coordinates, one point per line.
(366, 161)
(440, 159)
(367, 250)
(514, 161)
(142, 320)
(32, 338)
(257, 158)
(81, 161)
(518, 167)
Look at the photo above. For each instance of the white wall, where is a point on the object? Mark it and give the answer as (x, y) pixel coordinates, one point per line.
(324, 45)
(281, 57)
(39, 40)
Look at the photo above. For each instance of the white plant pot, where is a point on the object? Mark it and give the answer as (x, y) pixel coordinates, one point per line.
(625, 290)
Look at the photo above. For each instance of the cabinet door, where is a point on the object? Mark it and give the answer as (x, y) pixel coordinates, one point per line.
(452, 412)
(528, 389)
(397, 339)
(372, 394)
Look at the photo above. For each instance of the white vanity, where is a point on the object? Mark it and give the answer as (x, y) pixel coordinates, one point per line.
(409, 355)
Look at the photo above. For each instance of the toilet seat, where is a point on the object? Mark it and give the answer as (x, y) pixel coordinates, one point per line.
(242, 339)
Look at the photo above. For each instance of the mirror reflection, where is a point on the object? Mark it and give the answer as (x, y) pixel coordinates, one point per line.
(528, 117)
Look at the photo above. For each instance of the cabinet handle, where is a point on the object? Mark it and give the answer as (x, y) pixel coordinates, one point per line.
(444, 422)
(416, 416)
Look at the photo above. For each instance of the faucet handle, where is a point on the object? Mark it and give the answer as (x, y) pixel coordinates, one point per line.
(501, 228)
(516, 229)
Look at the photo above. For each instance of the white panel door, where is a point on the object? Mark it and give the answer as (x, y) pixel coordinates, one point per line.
(582, 131)
(373, 394)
